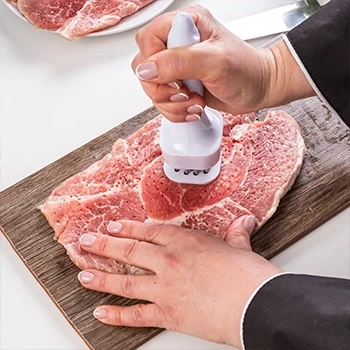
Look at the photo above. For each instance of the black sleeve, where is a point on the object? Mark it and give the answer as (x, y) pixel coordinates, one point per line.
(322, 44)
(299, 312)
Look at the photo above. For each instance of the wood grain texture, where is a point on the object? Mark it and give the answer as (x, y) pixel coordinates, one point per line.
(320, 192)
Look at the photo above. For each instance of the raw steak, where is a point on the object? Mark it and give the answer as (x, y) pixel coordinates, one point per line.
(99, 14)
(76, 18)
(261, 160)
(49, 14)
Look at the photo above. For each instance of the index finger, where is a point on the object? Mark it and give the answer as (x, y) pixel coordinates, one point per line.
(129, 251)
(152, 38)
(153, 233)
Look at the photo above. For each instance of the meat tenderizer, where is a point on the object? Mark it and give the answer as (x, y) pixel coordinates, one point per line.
(191, 150)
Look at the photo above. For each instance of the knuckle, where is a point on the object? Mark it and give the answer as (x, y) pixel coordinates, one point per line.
(128, 228)
(198, 9)
(102, 244)
(203, 10)
(196, 238)
(139, 36)
(117, 316)
(152, 232)
(126, 286)
(239, 238)
(167, 16)
(138, 315)
(194, 7)
(173, 260)
(177, 64)
(159, 21)
(238, 235)
(103, 280)
(129, 249)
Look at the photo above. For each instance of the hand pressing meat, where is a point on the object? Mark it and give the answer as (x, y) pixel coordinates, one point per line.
(183, 292)
(238, 77)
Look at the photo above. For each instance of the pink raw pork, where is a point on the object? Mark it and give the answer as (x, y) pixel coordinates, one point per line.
(74, 19)
(261, 160)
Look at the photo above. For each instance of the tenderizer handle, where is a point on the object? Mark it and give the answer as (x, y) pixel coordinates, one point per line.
(184, 33)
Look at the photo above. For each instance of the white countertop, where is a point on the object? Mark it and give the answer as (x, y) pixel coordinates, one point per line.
(57, 95)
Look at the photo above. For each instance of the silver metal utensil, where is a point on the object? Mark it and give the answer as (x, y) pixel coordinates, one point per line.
(275, 21)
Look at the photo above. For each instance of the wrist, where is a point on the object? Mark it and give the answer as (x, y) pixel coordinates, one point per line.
(285, 81)
(256, 272)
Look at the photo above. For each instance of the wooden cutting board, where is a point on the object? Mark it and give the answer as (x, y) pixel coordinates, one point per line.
(320, 192)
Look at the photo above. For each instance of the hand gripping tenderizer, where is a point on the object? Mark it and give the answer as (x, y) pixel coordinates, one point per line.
(191, 150)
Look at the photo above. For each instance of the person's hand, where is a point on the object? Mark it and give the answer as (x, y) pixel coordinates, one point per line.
(238, 77)
(200, 283)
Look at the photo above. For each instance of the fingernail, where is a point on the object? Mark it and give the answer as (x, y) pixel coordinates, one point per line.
(174, 85)
(249, 224)
(195, 109)
(147, 71)
(114, 227)
(85, 277)
(193, 118)
(100, 314)
(87, 240)
(179, 97)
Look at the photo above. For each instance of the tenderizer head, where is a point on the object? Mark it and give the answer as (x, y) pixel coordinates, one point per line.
(191, 150)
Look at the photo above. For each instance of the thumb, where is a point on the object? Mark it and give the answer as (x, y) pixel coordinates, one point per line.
(238, 234)
(191, 62)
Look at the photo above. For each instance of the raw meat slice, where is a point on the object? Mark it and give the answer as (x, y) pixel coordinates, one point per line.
(99, 14)
(49, 14)
(260, 162)
(74, 19)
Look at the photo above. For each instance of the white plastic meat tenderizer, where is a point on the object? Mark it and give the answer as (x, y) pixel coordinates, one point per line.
(191, 150)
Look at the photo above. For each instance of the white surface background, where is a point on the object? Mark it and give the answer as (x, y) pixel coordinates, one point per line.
(57, 95)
